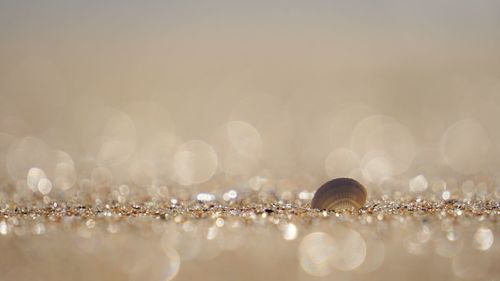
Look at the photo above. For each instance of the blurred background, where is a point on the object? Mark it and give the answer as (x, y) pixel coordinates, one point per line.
(282, 88)
(116, 99)
(189, 92)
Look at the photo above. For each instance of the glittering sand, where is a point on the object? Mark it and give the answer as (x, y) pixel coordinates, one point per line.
(250, 240)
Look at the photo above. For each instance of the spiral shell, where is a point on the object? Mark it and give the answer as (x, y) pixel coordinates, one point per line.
(339, 194)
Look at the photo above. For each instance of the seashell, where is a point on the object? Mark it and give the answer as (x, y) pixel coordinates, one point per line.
(339, 194)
